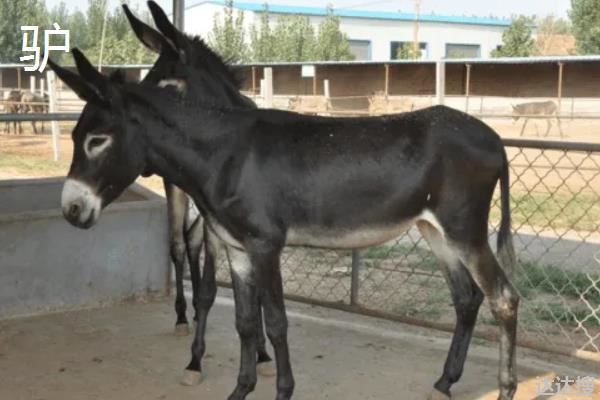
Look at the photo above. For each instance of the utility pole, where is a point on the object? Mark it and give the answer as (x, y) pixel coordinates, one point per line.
(416, 44)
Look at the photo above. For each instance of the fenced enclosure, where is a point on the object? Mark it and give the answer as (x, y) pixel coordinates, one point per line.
(555, 201)
(555, 211)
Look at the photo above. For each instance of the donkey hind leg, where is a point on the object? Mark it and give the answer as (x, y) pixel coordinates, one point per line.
(194, 240)
(524, 126)
(246, 295)
(560, 129)
(467, 298)
(504, 302)
(177, 204)
(206, 298)
(548, 127)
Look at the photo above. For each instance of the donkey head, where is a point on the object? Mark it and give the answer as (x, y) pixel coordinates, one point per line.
(185, 62)
(107, 155)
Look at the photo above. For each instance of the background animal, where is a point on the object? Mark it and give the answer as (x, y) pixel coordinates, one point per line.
(187, 235)
(34, 103)
(12, 105)
(534, 109)
(309, 105)
(380, 104)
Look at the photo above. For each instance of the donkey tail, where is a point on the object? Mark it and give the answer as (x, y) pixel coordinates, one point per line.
(505, 247)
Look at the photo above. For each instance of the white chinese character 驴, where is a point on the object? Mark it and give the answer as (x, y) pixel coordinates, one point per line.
(49, 47)
(34, 48)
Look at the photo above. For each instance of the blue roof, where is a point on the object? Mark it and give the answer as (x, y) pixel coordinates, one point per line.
(348, 13)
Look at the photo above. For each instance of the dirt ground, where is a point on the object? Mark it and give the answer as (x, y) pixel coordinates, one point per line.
(129, 352)
(40, 148)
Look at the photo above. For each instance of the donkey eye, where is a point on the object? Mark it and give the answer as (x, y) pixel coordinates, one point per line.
(96, 144)
(97, 141)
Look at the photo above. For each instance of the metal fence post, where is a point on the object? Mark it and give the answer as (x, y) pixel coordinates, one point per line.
(179, 14)
(440, 82)
(355, 282)
(52, 108)
(268, 88)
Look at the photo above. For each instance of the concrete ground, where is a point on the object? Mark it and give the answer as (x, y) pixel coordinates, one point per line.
(129, 352)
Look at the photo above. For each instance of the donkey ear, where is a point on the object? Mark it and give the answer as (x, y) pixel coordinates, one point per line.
(76, 83)
(90, 74)
(152, 39)
(163, 24)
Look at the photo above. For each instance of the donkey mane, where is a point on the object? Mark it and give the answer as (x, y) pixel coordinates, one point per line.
(157, 97)
(202, 54)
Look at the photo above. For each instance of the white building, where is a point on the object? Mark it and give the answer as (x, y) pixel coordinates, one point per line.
(374, 35)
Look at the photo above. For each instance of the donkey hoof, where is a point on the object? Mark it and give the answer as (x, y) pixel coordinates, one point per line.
(437, 395)
(266, 369)
(191, 378)
(182, 329)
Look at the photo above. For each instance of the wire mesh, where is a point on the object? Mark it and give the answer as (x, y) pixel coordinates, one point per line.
(555, 201)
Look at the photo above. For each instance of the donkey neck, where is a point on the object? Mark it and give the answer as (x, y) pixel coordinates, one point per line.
(190, 145)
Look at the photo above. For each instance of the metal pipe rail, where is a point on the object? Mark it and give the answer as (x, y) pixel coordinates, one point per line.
(39, 117)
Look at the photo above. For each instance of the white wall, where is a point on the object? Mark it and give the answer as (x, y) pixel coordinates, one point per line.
(199, 21)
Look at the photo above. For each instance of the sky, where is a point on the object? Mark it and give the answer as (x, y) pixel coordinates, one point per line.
(500, 8)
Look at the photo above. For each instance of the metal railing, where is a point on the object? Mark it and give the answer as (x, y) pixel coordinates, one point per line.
(39, 117)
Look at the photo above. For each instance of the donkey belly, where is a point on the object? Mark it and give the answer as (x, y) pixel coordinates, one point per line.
(353, 237)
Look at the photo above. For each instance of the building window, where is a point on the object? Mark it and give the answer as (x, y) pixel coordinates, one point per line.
(403, 50)
(361, 49)
(463, 50)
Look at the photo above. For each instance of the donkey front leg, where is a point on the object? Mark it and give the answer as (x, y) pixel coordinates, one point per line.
(206, 298)
(243, 276)
(203, 304)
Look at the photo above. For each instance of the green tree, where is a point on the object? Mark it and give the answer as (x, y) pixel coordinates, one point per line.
(120, 43)
(79, 34)
(60, 15)
(332, 43)
(517, 39)
(294, 39)
(262, 38)
(585, 16)
(551, 30)
(553, 25)
(95, 15)
(15, 14)
(228, 36)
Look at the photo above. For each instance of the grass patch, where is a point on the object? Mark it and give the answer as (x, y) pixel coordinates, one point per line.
(386, 251)
(580, 212)
(420, 257)
(558, 312)
(31, 165)
(534, 278)
(435, 306)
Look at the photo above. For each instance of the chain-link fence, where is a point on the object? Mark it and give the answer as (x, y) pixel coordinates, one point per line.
(556, 216)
